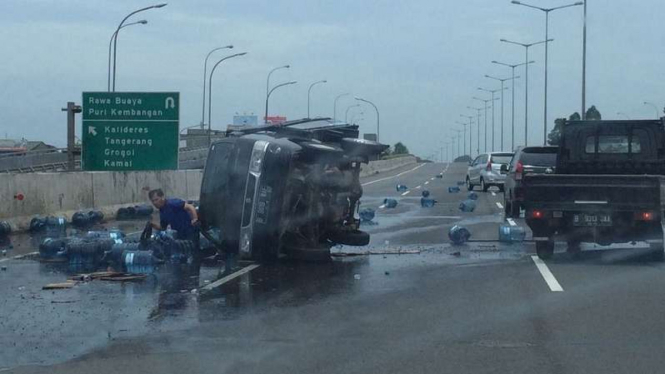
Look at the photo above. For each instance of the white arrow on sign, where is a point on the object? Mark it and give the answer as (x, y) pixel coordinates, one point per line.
(91, 130)
(169, 100)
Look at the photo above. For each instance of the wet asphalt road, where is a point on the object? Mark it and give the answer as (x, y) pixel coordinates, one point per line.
(480, 307)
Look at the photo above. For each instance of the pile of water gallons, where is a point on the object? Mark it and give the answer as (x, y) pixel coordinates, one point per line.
(89, 250)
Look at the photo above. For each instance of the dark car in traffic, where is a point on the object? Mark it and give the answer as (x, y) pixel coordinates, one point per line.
(289, 189)
(527, 160)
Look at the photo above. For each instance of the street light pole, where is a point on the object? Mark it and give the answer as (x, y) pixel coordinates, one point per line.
(309, 93)
(335, 105)
(115, 37)
(485, 106)
(377, 115)
(108, 79)
(464, 137)
(205, 72)
(547, 21)
(346, 115)
(470, 118)
(212, 73)
(584, 65)
(503, 80)
(512, 117)
(270, 93)
(477, 128)
(654, 107)
(526, 83)
(458, 146)
(492, 92)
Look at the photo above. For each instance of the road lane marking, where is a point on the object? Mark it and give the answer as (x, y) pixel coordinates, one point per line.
(419, 187)
(426, 183)
(394, 176)
(493, 193)
(511, 222)
(547, 275)
(431, 179)
(499, 205)
(18, 257)
(229, 277)
(406, 193)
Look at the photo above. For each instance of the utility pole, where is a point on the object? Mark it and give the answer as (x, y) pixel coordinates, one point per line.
(71, 110)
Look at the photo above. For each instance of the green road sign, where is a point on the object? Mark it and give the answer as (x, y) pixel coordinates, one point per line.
(130, 130)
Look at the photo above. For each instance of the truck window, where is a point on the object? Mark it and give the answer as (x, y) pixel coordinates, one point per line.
(612, 144)
(539, 159)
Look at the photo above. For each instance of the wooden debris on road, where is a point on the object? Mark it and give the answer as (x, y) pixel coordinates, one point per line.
(60, 286)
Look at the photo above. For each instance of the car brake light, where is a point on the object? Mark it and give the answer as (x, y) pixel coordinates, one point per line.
(489, 166)
(537, 214)
(519, 169)
(644, 216)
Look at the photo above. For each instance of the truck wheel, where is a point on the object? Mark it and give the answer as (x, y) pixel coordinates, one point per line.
(573, 248)
(469, 185)
(507, 209)
(483, 186)
(515, 209)
(545, 249)
(657, 252)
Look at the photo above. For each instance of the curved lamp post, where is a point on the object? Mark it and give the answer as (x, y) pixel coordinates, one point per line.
(309, 93)
(108, 79)
(115, 37)
(377, 115)
(205, 69)
(212, 72)
(335, 105)
(265, 119)
(346, 115)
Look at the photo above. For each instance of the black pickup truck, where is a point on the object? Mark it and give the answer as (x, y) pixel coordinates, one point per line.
(609, 187)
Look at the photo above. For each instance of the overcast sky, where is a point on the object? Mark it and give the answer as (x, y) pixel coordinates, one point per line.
(419, 61)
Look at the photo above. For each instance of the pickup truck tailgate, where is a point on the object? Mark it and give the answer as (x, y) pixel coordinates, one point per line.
(575, 192)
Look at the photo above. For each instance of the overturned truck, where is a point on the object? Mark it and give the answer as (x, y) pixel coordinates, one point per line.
(291, 189)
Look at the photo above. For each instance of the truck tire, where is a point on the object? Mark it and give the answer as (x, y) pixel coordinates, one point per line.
(573, 248)
(469, 185)
(507, 209)
(483, 186)
(545, 249)
(515, 209)
(657, 252)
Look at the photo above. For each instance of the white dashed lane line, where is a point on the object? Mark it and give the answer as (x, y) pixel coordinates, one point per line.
(419, 187)
(18, 257)
(547, 275)
(499, 205)
(426, 183)
(511, 222)
(431, 179)
(230, 277)
(406, 193)
(493, 193)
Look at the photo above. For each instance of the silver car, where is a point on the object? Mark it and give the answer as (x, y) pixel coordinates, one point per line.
(485, 170)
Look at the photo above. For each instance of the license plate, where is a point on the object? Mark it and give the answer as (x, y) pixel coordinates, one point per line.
(592, 220)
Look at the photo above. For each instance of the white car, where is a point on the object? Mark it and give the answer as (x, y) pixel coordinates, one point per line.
(485, 171)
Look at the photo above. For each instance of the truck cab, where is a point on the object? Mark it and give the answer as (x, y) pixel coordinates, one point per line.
(608, 187)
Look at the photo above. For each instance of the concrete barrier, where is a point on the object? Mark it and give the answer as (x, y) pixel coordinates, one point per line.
(63, 194)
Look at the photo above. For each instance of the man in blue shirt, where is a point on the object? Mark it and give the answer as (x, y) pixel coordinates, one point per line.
(176, 213)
